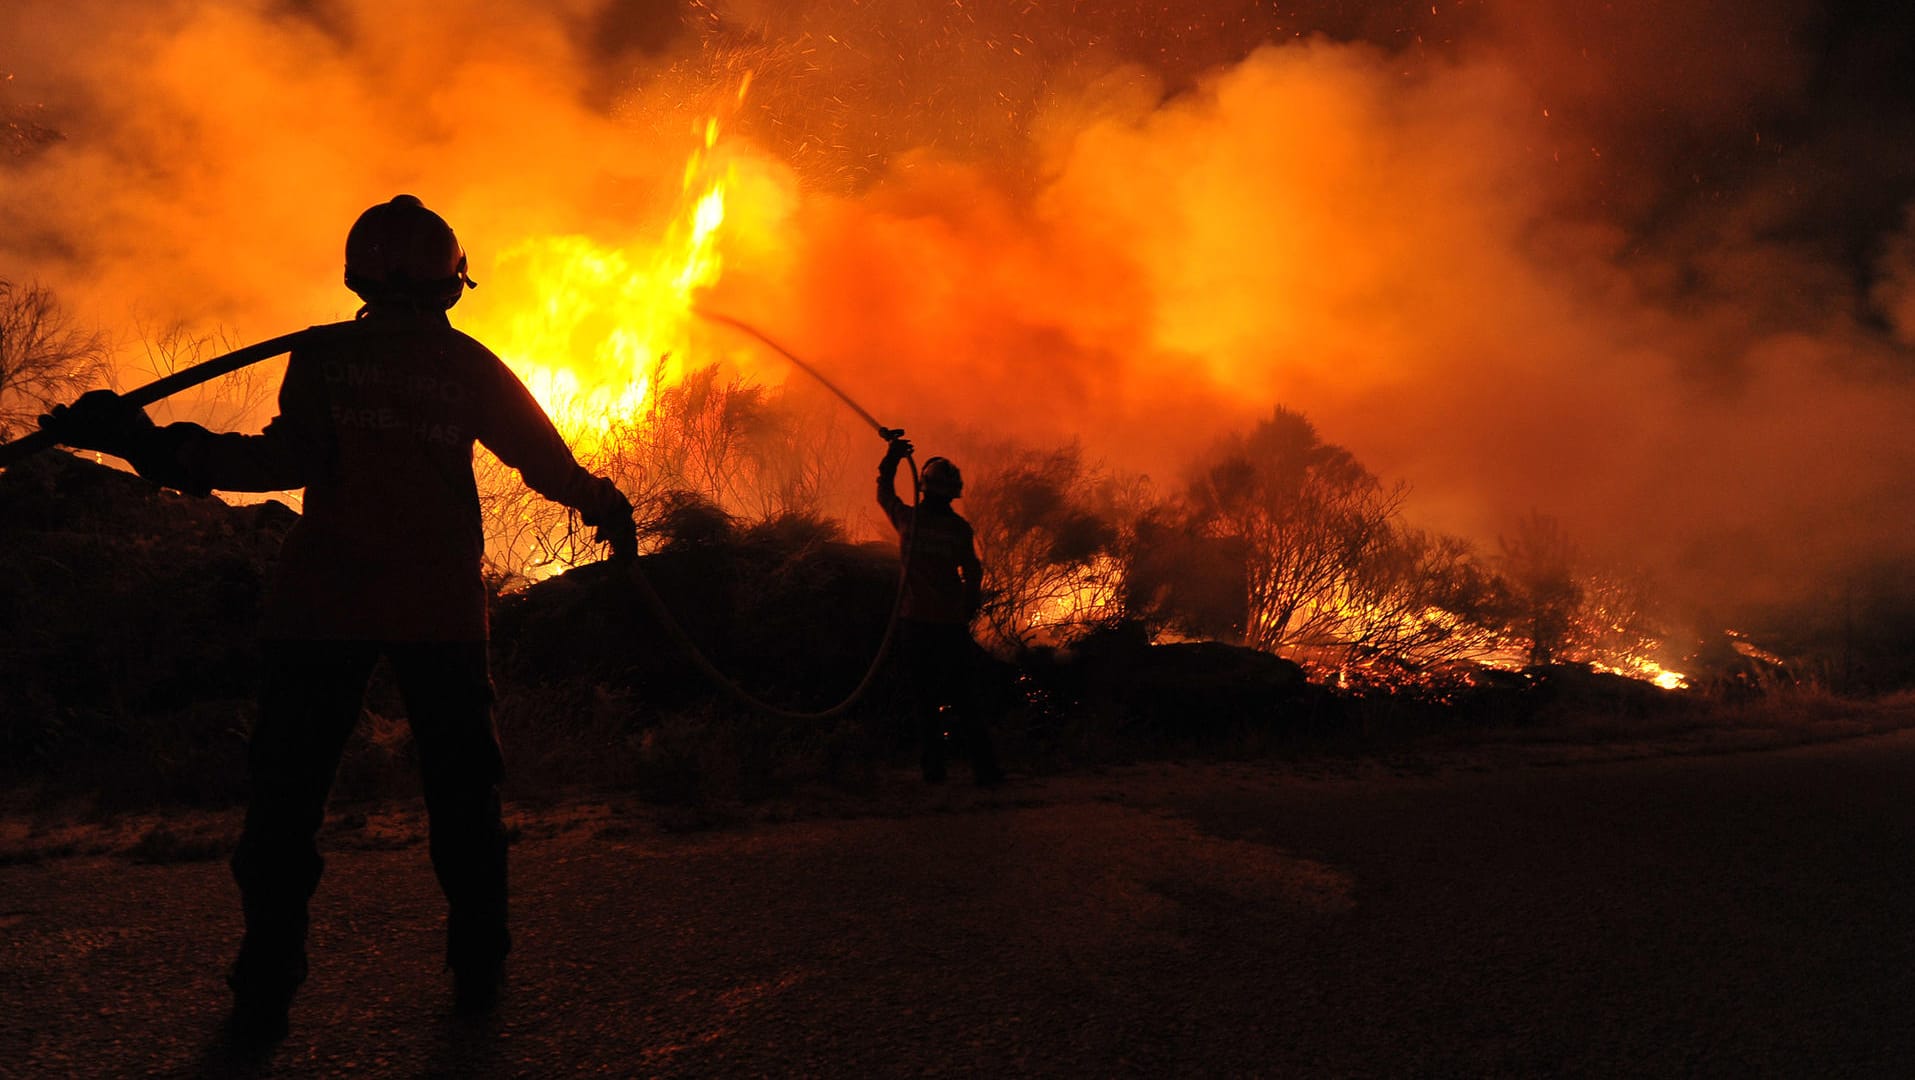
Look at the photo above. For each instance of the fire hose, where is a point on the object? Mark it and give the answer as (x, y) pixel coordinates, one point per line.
(159, 389)
(206, 371)
(726, 682)
(731, 686)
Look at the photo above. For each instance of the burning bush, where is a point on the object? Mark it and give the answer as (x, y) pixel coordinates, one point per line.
(1287, 544)
(1308, 519)
(735, 446)
(1544, 595)
(1421, 600)
(1050, 537)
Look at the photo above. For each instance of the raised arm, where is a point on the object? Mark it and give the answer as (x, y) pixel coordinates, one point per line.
(894, 508)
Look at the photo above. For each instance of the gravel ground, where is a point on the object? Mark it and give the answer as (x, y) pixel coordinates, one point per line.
(1735, 914)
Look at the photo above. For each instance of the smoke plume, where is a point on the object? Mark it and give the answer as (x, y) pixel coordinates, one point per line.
(1646, 269)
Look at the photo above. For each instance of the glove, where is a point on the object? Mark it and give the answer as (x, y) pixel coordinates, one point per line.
(899, 449)
(609, 513)
(101, 420)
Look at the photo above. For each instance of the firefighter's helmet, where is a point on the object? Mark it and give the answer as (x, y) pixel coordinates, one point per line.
(941, 478)
(401, 252)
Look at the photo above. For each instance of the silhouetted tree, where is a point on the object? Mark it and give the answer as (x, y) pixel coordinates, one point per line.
(1615, 621)
(1181, 580)
(44, 357)
(1048, 532)
(1538, 564)
(1422, 598)
(1307, 518)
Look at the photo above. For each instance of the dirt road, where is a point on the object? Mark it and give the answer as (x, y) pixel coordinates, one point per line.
(1721, 915)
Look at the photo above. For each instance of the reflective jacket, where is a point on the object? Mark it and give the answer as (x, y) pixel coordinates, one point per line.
(943, 580)
(376, 421)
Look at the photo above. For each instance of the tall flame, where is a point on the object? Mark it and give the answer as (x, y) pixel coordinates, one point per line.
(601, 325)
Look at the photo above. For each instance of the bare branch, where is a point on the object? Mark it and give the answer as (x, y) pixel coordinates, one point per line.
(45, 358)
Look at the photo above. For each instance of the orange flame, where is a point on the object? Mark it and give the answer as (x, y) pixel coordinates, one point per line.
(600, 325)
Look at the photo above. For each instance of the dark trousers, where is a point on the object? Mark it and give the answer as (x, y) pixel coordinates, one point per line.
(308, 707)
(942, 662)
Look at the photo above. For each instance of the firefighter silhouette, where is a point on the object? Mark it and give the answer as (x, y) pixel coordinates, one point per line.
(941, 592)
(377, 424)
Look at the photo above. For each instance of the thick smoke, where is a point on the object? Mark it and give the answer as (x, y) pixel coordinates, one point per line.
(1645, 269)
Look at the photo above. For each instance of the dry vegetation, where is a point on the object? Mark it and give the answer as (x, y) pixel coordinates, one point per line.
(1124, 618)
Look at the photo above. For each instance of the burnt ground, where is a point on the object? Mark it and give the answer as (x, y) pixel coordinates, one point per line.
(1718, 914)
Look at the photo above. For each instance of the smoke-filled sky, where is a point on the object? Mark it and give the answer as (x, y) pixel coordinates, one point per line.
(1644, 266)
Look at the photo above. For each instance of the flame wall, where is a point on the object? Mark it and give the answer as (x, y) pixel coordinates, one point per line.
(1643, 268)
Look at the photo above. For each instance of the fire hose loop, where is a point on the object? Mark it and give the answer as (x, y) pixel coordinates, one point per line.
(704, 664)
(731, 686)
